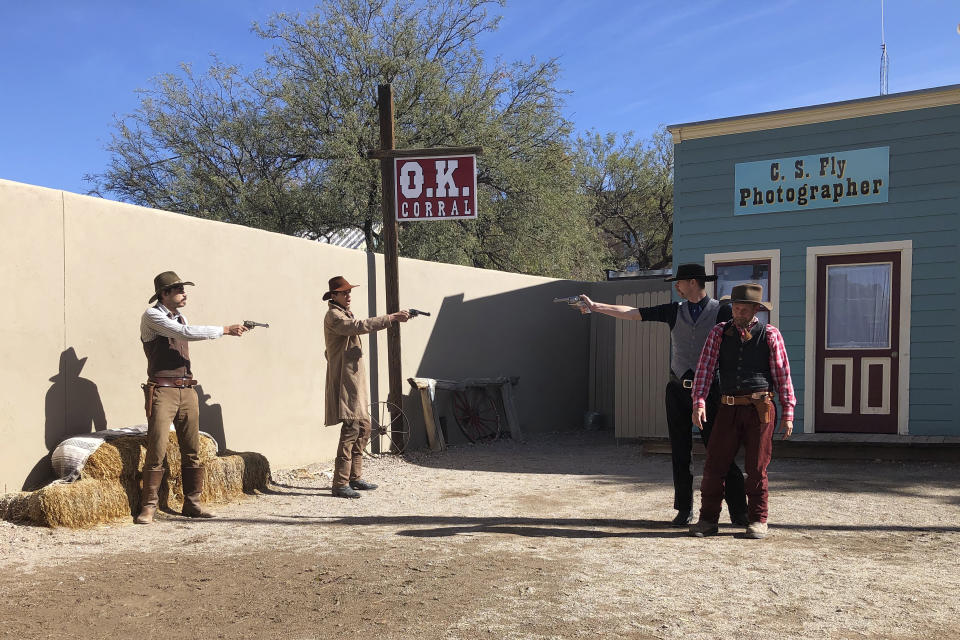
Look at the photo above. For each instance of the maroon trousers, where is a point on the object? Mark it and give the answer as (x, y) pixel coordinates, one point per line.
(733, 426)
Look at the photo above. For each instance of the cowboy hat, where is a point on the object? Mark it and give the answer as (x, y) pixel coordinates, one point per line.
(750, 293)
(166, 280)
(690, 271)
(337, 284)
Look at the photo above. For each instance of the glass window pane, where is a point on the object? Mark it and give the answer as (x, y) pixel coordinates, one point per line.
(858, 306)
(732, 274)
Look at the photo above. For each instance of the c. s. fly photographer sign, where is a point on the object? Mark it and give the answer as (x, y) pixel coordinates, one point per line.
(436, 188)
(830, 179)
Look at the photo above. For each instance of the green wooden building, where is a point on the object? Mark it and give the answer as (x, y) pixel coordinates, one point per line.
(849, 214)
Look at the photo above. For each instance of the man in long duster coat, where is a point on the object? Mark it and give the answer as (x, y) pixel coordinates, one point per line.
(347, 399)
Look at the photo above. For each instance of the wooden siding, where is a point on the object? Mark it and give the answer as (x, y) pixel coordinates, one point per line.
(630, 360)
(924, 207)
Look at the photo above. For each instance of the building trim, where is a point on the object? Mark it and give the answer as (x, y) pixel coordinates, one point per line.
(862, 107)
(905, 247)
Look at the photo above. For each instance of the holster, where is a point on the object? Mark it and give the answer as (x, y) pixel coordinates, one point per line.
(148, 389)
(764, 407)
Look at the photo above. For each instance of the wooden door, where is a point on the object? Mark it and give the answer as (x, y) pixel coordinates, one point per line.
(858, 312)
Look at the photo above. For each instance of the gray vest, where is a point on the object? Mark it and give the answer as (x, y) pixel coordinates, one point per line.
(687, 338)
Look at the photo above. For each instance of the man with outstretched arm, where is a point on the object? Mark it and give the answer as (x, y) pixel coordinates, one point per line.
(170, 395)
(751, 363)
(690, 321)
(346, 385)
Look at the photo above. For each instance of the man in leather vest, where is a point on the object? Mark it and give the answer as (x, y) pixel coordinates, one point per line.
(170, 395)
(751, 362)
(690, 321)
(346, 386)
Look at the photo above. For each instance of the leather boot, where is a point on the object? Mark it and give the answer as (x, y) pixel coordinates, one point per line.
(149, 495)
(192, 488)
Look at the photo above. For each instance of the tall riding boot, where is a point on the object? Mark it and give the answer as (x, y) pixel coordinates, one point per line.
(149, 495)
(192, 488)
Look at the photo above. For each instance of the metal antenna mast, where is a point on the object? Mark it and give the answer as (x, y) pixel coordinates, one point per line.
(884, 60)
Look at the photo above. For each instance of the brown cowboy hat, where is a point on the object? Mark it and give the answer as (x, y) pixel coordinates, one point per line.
(690, 271)
(751, 293)
(166, 280)
(338, 283)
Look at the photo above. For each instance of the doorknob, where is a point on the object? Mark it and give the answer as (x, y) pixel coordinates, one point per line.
(893, 354)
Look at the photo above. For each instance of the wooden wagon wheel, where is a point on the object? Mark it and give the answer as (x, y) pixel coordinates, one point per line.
(476, 414)
(389, 433)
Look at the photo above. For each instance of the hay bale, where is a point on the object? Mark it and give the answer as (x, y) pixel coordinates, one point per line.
(123, 457)
(118, 458)
(109, 487)
(15, 507)
(225, 479)
(84, 503)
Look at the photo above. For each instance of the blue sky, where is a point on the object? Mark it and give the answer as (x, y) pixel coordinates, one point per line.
(69, 66)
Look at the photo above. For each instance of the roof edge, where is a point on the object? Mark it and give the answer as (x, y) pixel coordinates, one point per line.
(860, 107)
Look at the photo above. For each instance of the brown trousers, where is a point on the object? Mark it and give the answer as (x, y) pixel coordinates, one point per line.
(181, 407)
(354, 435)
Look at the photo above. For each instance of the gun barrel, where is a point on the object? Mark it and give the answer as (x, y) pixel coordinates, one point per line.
(574, 301)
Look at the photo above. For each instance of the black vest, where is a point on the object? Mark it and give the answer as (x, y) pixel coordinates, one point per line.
(744, 366)
(168, 357)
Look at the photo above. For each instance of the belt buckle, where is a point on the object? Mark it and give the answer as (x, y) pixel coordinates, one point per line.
(687, 384)
(728, 400)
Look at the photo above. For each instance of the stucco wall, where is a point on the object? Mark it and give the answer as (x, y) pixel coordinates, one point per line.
(79, 272)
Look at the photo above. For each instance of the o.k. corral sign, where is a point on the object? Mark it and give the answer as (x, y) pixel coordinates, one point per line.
(829, 179)
(436, 188)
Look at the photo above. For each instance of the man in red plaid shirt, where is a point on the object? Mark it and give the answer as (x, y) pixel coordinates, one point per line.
(750, 360)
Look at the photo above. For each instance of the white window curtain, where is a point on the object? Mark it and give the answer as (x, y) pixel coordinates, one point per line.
(858, 306)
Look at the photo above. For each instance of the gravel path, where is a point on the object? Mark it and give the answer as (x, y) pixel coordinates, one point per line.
(561, 537)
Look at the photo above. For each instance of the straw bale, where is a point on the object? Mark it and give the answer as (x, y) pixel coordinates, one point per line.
(93, 500)
(123, 457)
(15, 507)
(225, 478)
(84, 503)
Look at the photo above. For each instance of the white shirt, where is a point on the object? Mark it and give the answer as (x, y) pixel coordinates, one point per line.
(156, 322)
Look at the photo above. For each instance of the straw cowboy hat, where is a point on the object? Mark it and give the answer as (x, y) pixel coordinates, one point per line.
(690, 271)
(337, 284)
(750, 293)
(166, 280)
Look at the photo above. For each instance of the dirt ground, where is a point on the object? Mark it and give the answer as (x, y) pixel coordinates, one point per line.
(564, 536)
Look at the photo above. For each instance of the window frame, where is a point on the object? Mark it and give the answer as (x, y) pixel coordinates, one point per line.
(711, 260)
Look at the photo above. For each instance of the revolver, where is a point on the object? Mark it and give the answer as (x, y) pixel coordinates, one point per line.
(416, 312)
(575, 302)
(250, 324)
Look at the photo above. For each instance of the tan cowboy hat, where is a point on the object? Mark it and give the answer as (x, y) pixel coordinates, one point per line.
(166, 280)
(337, 284)
(750, 293)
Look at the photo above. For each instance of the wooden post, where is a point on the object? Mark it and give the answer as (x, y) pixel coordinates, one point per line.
(390, 262)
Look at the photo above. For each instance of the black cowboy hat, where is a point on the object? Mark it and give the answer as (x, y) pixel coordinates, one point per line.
(337, 284)
(690, 271)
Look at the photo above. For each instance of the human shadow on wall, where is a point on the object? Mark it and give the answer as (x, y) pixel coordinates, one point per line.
(72, 407)
(517, 333)
(211, 418)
